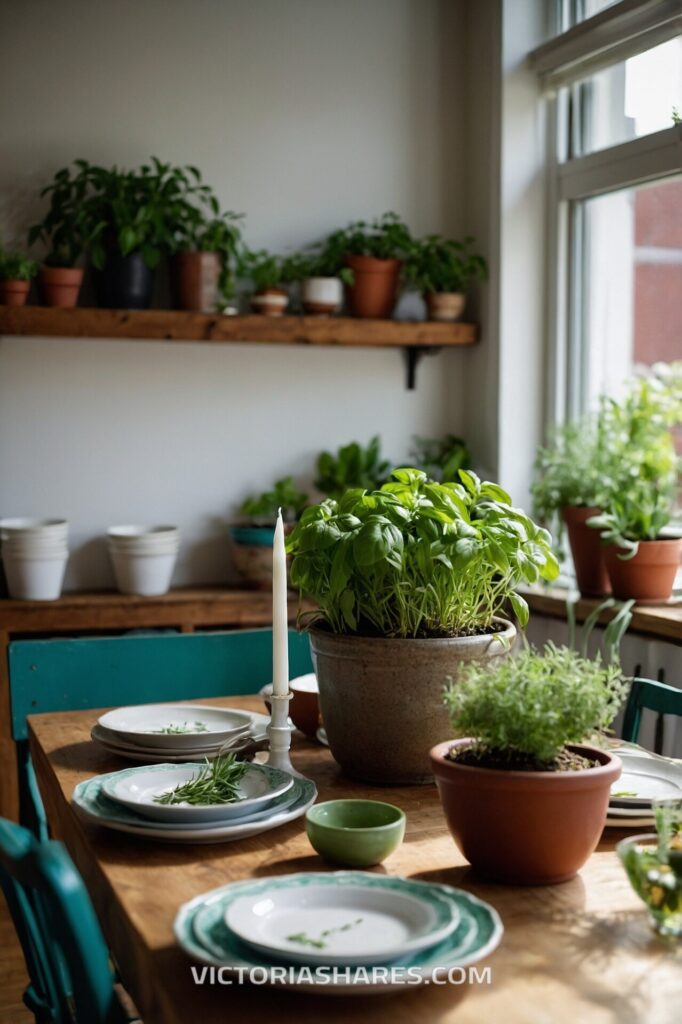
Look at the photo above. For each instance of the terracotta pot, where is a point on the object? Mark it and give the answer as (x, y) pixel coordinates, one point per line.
(270, 302)
(14, 293)
(321, 296)
(375, 291)
(195, 280)
(444, 306)
(587, 550)
(527, 828)
(649, 576)
(382, 699)
(59, 286)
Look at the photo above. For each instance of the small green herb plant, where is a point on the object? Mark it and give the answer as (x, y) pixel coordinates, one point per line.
(15, 266)
(524, 710)
(418, 558)
(262, 508)
(384, 238)
(217, 782)
(67, 226)
(441, 458)
(266, 270)
(318, 262)
(436, 264)
(352, 466)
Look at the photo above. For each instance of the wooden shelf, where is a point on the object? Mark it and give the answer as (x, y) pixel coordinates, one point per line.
(661, 621)
(171, 325)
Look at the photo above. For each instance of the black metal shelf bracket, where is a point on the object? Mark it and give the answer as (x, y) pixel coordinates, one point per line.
(413, 356)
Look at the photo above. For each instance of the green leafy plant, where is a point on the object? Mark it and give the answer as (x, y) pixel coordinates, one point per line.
(217, 782)
(263, 508)
(352, 466)
(441, 458)
(418, 558)
(529, 707)
(15, 266)
(266, 270)
(384, 238)
(318, 262)
(437, 264)
(633, 516)
(67, 226)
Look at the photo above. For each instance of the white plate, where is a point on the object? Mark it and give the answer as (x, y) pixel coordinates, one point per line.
(255, 740)
(327, 922)
(137, 789)
(647, 778)
(632, 823)
(142, 724)
(201, 745)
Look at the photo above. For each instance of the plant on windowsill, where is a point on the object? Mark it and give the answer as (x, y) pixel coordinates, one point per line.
(269, 275)
(441, 270)
(524, 788)
(352, 466)
(251, 538)
(374, 251)
(410, 581)
(16, 272)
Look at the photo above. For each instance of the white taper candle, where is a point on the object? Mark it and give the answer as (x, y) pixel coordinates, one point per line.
(280, 616)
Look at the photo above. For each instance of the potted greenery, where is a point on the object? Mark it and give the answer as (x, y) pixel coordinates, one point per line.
(322, 275)
(374, 252)
(441, 458)
(410, 582)
(351, 466)
(524, 791)
(441, 270)
(269, 274)
(252, 538)
(65, 231)
(16, 271)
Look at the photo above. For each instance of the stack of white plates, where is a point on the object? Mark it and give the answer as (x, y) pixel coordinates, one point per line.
(172, 733)
(143, 557)
(645, 778)
(129, 801)
(349, 920)
(34, 554)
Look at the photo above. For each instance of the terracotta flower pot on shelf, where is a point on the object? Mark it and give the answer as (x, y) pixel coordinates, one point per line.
(60, 286)
(381, 698)
(195, 279)
(587, 551)
(374, 293)
(14, 293)
(270, 301)
(444, 306)
(649, 576)
(525, 827)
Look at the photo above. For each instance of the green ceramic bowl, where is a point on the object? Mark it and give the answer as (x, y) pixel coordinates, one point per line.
(355, 833)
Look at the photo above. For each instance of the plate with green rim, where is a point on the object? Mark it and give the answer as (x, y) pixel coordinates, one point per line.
(91, 803)
(201, 932)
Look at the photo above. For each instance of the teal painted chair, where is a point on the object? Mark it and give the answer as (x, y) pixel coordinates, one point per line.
(71, 981)
(653, 696)
(92, 672)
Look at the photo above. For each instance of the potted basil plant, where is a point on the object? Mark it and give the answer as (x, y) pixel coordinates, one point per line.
(322, 275)
(269, 274)
(441, 270)
(524, 788)
(352, 466)
(374, 251)
(16, 272)
(411, 582)
(252, 537)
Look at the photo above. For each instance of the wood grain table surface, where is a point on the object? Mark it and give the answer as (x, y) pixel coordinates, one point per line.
(581, 952)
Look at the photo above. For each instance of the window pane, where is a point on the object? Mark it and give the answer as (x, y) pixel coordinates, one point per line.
(632, 287)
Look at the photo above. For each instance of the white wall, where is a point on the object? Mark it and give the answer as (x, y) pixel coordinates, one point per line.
(303, 114)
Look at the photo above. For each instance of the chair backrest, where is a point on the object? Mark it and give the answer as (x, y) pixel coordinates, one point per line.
(71, 675)
(66, 956)
(654, 696)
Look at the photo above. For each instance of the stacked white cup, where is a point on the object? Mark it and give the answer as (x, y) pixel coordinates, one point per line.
(34, 554)
(143, 557)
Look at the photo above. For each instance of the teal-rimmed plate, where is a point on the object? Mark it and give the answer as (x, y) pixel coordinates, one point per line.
(201, 931)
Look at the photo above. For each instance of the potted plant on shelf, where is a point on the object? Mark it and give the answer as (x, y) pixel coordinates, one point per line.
(252, 538)
(352, 466)
(65, 231)
(524, 791)
(441, 458)
(441, 270)
(269, 274)
(322, 275)
(16, 272)
(374, 252)
(410, 582)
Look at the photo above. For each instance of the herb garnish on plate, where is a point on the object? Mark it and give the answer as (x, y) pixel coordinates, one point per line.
(217, 782)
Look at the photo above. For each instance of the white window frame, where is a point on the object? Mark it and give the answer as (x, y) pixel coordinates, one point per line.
(615, 34)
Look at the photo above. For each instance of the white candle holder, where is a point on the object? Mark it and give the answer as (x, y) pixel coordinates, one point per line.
(279, 733)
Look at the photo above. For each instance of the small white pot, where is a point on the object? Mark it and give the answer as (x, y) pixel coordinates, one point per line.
(271, 302)
(36, 578)
(131, 533)
(445, 306)
(321, 295)
(53, 529)
(146, 574)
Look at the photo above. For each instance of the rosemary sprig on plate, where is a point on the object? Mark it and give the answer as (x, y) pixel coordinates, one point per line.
(217, 782)
(181, 730)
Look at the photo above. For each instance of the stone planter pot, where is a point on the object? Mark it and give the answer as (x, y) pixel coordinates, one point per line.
(195, 280)
(444, 306)
(382, 699)
(587, 552)
(60, 286)
(321, 296)
(270, 302)
(375, 290)
(526, 828)
(649, 576)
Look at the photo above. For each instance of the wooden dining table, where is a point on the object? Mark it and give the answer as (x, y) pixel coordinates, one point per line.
(582, 952)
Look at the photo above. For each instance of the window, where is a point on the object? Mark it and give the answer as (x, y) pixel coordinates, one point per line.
(612, 81)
